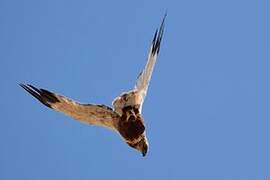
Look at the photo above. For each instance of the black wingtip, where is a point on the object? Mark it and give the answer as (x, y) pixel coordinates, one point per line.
(155, 37)
(22, 85)
(158, 36)
(45, 97)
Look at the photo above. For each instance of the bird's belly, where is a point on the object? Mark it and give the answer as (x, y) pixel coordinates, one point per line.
(131, 125)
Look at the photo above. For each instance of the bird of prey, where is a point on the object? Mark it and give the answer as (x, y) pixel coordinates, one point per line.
(126, 115)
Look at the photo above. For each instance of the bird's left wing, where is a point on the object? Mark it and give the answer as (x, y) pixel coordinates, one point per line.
(99, 115)
(143, 80)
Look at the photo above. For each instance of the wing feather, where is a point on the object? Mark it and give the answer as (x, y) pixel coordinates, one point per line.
(144, 77)
(99, 115)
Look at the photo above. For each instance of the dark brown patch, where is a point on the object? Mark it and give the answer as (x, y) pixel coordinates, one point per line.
(133, 127)
(135, 108)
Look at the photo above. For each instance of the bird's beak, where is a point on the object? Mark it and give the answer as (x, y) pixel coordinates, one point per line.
(144, 151)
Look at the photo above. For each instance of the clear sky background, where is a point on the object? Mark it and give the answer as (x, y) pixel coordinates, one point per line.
(207, 110)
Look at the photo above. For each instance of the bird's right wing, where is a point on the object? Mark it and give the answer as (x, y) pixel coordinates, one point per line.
(143, 80)
(99, 115)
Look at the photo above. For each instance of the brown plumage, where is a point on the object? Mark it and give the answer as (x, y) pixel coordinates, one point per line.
(126, 115)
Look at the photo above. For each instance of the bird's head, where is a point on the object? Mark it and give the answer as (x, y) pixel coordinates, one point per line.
(141, 145)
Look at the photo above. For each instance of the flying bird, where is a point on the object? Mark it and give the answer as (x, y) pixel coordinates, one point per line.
(125, 117)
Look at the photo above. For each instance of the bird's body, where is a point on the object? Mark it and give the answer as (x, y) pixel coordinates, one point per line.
(131, 126)
(126, 115)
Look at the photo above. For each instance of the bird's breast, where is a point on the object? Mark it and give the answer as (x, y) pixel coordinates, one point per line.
(132, 98)
(131, 124)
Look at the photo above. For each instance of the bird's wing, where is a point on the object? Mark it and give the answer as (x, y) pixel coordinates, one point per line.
(144, 77)
(99, 115)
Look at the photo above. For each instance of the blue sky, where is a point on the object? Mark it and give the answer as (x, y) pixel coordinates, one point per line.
(207, 110)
